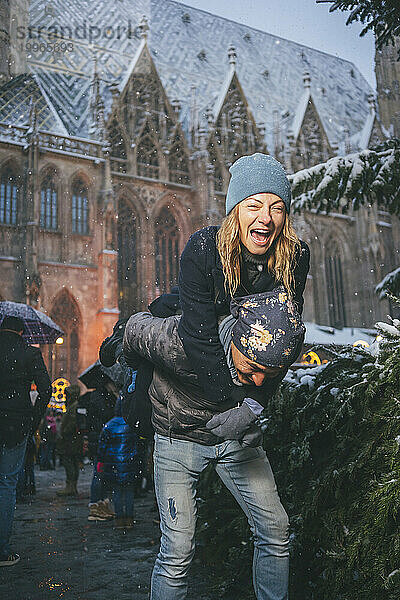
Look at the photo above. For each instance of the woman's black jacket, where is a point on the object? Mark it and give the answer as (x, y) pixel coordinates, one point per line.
(204, 299)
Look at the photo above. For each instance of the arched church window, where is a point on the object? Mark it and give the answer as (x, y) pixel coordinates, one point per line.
(80, 207)
(64, 358)
(335, 288)
(166, 250)
(147, 156)
(8, 197)
(177, 163)
(127, 267)
(48, 204)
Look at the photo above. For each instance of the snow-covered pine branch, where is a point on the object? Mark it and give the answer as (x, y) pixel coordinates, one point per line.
(390, 283)
(345, 182)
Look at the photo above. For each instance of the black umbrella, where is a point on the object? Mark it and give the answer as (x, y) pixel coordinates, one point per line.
(39, 328)
(97, 375)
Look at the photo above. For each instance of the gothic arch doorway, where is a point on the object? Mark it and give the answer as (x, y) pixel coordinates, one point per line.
(166, 236)
(127, 267)
(64, 358)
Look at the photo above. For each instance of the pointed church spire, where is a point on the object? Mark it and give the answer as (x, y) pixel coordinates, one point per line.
(144, 27)
(306, 80)
(32, 133)
(371, 103)
(232, 57)
(277, 133)
(193, 116)
(347, 141)
(96, 106)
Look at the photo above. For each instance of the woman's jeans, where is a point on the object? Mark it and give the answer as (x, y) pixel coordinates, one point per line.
(11, 461)
(123, 498)
(247, 474)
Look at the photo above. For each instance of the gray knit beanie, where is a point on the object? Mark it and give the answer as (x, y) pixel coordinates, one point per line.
(257, 174)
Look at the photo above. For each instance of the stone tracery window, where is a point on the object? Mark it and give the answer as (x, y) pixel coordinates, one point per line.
(147, 156)
(218, 173)
(48, 204)
(166, 250)
(127, 266)
(235, 130)
(64, 358)
(335, 287)
(310, 149)
(9, 189)
(145, 100)
(117, 141)
(80, 207)
(178, 163)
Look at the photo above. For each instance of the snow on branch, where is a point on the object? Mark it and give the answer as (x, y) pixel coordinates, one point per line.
(390, 283)
(348, 182)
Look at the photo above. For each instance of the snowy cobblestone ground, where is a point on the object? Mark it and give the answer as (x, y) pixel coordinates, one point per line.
(63, 556)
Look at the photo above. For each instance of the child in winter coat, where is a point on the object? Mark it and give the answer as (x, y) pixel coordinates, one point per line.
(118, 464)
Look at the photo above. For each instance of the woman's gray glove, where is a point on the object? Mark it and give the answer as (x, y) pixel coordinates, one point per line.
(253, 437)
(233, 423)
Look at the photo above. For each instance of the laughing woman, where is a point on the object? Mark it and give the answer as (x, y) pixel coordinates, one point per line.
(255, 250)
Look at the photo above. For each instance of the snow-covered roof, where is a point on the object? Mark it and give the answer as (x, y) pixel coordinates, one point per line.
(189, 48)
(300, 113)
(371, 132)
(365, 133)
(16, 99)
(324, 335)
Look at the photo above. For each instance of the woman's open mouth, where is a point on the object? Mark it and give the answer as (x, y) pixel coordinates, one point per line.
(260, 236)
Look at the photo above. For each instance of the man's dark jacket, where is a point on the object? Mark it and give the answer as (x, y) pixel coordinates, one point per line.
(99, 409)
(20, 365)
(180, 407)
(204, 300)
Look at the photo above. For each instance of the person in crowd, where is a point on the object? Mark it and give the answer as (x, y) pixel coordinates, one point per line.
(26, 479)
(70, 443)
(48, 436)
(136, 406)
(118, 465)
(20, 365)
(261, 339)
(99, 410)
(255, 250)
(58, 418)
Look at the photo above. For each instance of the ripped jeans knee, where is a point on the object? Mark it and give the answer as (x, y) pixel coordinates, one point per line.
(172, 508)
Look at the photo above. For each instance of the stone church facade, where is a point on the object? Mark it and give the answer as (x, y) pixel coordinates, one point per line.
(112, 153)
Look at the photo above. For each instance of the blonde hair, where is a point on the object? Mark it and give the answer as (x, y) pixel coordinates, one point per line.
(279, 257)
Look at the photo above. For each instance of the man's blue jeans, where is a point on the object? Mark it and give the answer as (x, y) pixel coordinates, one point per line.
(124, 499)
(247, 474)
(11, 461)
(97, 488)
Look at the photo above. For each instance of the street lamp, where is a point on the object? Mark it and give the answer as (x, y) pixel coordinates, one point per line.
(59, 341)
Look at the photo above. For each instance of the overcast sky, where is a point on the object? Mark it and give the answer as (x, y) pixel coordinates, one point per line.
(302, 21)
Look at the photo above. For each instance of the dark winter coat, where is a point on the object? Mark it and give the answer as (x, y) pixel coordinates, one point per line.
(180, 407)
(204, 299)
(71, 439)
(136, 405)
(20, 365)
(118, 451)
(99, 409)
